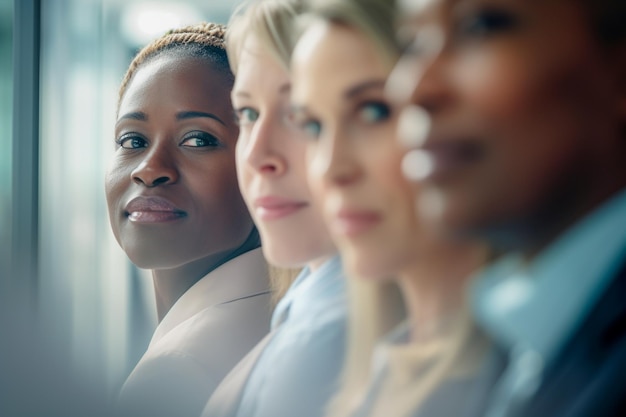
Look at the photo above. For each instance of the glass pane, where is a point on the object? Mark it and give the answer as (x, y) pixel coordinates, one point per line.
(6, 122)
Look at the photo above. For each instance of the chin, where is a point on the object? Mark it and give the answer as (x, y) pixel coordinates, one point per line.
(150, 257)
(150, 261)
(282, 257)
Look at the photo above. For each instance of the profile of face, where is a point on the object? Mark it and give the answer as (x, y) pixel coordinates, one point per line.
(171, 188)
(524, 108)
(271, 163)
(353, 158)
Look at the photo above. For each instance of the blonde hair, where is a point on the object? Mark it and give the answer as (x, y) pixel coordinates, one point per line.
(280, 281)
(375, 18)
(375, 309)
(273, 22)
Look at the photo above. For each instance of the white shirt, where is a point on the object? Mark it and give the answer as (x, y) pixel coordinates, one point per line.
(298, 371)
(205, 333)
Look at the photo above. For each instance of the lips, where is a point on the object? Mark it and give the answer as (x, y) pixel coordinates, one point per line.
(351, 223)
(152, 210)
(275, 207)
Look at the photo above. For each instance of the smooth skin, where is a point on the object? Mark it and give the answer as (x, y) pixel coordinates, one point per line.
(271, 163)
(175, 143)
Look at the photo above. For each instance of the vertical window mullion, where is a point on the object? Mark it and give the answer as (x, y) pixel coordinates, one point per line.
(25, 167)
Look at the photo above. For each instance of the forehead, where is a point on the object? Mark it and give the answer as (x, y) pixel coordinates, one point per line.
(172, 79)
(335, 56)
(258, 68)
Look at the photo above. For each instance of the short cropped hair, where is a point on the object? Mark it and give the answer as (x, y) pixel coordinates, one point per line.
(204, 40)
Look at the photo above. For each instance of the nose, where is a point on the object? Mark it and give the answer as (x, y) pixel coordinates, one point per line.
(156, 168)
(331, 160)
(261, 147)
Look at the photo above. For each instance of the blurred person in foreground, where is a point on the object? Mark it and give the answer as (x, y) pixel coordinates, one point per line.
(525, 103)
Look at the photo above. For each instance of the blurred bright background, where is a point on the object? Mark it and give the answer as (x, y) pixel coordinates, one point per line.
(98, 306)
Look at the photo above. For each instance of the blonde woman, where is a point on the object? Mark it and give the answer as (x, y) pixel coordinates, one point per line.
(294, 372)
(340, 68)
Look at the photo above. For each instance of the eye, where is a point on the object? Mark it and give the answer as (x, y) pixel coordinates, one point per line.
(486, 22)
(246, 115)
(312, 128)
(373, 112)
(199, 139)
(305, 122)
(132, 141)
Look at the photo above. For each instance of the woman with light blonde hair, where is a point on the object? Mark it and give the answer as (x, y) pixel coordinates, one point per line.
(411, 336)
(294, 371)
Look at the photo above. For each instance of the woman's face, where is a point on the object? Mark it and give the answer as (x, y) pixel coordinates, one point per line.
(353, 158)
(172, 187)
(271, 163)
(524, 112)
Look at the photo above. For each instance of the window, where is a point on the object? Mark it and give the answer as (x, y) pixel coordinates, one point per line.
(96, 305)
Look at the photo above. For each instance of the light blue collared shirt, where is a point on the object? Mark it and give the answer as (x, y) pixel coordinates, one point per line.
(297, 373)
(532, 309)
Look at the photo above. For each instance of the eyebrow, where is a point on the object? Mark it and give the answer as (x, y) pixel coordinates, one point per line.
(364, 86)
(183, 115)
(350, 93)
(136, 115)
(285, 88)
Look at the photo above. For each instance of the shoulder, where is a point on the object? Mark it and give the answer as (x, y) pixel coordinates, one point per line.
(589, 371)
(216, 337)
(174, 382)
(185, 365)
(298, 373)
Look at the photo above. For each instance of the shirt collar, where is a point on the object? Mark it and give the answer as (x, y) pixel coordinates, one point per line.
(241, 277)
(312, 290)
(537, 306)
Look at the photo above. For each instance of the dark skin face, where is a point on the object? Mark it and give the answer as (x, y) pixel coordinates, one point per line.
(527, 110)
(175, 151)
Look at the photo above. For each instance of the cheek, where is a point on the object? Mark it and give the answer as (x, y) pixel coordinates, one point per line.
(534, 112)
(244, 174)
(315, 166)
(385, 166)
(115, 182)
(216, 186)
(221, 211)
(495, 85)
(515, 87)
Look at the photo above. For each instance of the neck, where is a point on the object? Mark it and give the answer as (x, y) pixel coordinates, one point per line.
(315, 264)
(171, 284)
(434, 287)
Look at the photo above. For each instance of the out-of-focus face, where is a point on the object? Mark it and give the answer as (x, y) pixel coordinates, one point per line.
(524, 107)
(353, 157)
(172, 187)
(271, 163)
